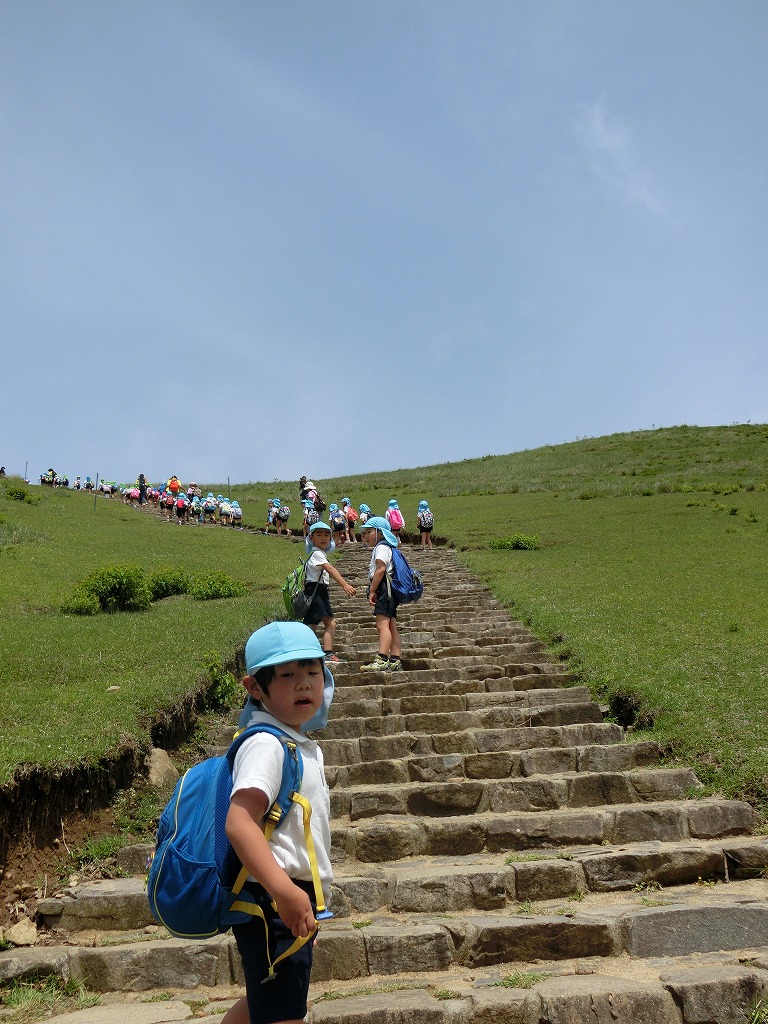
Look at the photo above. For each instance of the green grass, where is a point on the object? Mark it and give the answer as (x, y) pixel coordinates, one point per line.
(57, 670)
(648, 577)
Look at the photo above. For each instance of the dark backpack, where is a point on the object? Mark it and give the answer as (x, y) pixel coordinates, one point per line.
(406, 583)
(319, 503)
(284, 513)
(195, 881)
(426, 519)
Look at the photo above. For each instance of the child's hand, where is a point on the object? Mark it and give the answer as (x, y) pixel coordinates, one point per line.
(348, 589)
(295, 912)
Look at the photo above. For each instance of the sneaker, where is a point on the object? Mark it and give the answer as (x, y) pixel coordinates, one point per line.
(331, 659)
(395, 665)
(378, 664)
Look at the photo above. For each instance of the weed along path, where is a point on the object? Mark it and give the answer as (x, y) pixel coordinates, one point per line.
(502, 854)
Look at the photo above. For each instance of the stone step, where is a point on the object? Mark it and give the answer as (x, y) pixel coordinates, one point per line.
(353, 706)
(565, 713)
(451, 884)
(695, 920)
(534, 793)
(393, 837)
(498, 764)
(401, 684)
(353, 750)
(347, 677)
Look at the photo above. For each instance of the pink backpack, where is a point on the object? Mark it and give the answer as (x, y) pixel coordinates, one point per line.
(395, 517)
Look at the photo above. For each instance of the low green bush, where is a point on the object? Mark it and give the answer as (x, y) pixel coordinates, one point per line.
(81, 602)
(517, 542)
(167, 581)
(15, 493)
(213, 585)
(119, 588)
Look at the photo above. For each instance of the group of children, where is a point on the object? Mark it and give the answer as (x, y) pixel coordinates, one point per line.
(290, 687)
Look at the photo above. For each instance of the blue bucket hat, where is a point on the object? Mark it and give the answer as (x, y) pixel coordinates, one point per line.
(279, 642)
(319, 526)
(392, 503)
(380, 523)
(423, 506)
(364, 507)
(345, 501)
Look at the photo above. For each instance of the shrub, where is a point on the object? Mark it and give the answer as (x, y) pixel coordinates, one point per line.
(15, 493)
(213, 585)
(119, 588)
(81, 603)
(517, 542)
(167, 581)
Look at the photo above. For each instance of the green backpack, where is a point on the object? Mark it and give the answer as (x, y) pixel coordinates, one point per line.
(296, 601)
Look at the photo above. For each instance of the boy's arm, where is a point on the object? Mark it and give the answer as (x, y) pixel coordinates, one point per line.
(376, 579)
(334, 573)
(246, 810)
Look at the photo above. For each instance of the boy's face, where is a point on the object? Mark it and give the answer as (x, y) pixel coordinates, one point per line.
(295, 693)
(369, 536)
(321, 538)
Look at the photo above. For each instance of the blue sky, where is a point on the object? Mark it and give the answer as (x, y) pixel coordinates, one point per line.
(256, 239)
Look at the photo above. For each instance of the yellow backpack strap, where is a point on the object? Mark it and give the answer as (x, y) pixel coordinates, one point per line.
(253, 908)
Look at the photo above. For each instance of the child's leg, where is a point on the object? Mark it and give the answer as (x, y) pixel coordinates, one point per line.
(389, 637)
(329, 634)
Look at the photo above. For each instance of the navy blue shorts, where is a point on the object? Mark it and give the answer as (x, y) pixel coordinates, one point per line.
(386, 602)
(285, 996)
(321, 604)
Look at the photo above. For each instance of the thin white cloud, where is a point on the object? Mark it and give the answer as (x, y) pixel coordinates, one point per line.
(613, 158)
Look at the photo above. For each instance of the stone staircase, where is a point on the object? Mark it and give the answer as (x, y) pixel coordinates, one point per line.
(502, 854)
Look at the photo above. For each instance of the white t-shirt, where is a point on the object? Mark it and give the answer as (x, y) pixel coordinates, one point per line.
(315, 569)
(259, 765)
(382, 552)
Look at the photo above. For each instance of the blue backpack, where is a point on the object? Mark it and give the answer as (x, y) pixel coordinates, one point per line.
(407, 584)
(195, 881)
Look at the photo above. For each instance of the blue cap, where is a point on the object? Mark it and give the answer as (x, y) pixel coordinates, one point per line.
(333, 507)
(279, 642)
(380, 523)
(392, 503)
(364, 507)
(423, 506)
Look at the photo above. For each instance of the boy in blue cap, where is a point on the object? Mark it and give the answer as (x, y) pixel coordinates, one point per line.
(319, 574)
(377, 535)
(292, 687)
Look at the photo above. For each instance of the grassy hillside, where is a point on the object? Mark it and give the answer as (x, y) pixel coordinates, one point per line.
(649, 576)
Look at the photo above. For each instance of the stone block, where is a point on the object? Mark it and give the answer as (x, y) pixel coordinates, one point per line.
(339, 955)
(614, 870)
(390, 840)
(409, 1006)
(436, 768)
(458, 889)
(663, 783)
(454, 837)
(640, 824)
(522, 939)
(532, 831)
(716, 993)
(526, 795)
(496, 765)
(504, 1006)
(460, 797)
(711, 819)
(153, 965)
(374, 804)
(605, 1000)
(593, 790)
(548, 761)
(599, 757)
(365, 893)
(399, 948)
(548, 880)
(678, 930)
